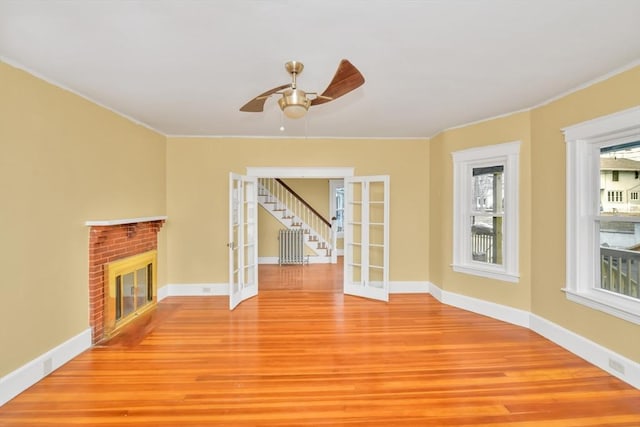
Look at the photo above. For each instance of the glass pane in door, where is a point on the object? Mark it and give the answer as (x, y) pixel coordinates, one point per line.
(353, 226)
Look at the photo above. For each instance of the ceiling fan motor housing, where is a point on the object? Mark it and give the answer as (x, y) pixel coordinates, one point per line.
(294, 103)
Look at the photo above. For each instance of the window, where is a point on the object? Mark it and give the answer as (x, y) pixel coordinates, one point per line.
(485, 230)
(336, 204)
(603, 241)
(634, 195)
(615, 176)
(614, 196)
(486, 213)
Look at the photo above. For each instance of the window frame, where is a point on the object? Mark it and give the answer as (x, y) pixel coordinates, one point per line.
(464, 161)
(583, 143)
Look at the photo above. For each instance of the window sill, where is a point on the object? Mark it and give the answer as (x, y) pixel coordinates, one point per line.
(614, 305)
(486, 272)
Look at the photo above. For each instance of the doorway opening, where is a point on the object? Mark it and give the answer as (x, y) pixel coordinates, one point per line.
(366, 212)
(328, 176)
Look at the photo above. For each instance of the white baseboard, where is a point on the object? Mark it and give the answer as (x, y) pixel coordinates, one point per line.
(27, 375)
(194, 289)
(407, 287)
(222, 289)
(163, 292)
(313, 259)
(319, 259)
(268, 260)
(617, 365)
(497, 311)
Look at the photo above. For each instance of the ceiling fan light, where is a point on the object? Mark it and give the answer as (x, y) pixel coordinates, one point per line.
(294, 111)
(294, 103)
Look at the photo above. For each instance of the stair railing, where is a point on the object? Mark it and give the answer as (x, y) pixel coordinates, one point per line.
(290, 203)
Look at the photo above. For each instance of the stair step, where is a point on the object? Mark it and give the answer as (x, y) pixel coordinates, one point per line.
(290, 220)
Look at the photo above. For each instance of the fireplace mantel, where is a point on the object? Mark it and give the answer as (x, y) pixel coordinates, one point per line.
(121, 221)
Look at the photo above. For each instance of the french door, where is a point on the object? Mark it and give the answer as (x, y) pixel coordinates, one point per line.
(243, 238)
(366, 237)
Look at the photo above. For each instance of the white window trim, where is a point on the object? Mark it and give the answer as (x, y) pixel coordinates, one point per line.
(506, 154)
(583, 143)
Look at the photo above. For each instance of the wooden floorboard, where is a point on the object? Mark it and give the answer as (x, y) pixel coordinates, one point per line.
(301, 353)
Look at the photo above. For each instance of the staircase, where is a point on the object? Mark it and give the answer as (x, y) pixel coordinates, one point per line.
(294, 213)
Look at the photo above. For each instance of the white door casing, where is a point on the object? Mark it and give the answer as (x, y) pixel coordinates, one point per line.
(243, 238)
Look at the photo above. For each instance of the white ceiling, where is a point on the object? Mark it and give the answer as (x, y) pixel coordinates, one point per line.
(185, 67)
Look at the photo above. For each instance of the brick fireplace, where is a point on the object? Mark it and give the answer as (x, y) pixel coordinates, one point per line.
(111, 241)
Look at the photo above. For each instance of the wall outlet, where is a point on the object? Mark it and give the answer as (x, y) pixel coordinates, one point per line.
(206, 290)
(616, 366)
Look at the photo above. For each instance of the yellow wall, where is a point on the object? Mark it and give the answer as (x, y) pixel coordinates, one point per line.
(63, 161)
(268, 228)
(197, 194)
(542, 210)
(548, 210)
(439, 261)
(314, 191)
(506, 129)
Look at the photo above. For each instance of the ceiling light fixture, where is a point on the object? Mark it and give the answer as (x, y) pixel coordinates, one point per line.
(294, 103)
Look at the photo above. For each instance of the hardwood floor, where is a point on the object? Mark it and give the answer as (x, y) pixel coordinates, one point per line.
(301, 353)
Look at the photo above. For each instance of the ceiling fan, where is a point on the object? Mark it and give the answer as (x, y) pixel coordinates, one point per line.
(295, 102)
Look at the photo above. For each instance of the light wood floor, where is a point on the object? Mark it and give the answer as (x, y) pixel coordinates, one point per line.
(301, 353)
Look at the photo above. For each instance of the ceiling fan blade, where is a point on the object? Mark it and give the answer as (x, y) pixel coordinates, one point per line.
(346, 79)
(256, 105)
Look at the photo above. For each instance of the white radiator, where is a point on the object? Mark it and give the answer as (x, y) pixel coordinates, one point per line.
(291, 246)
